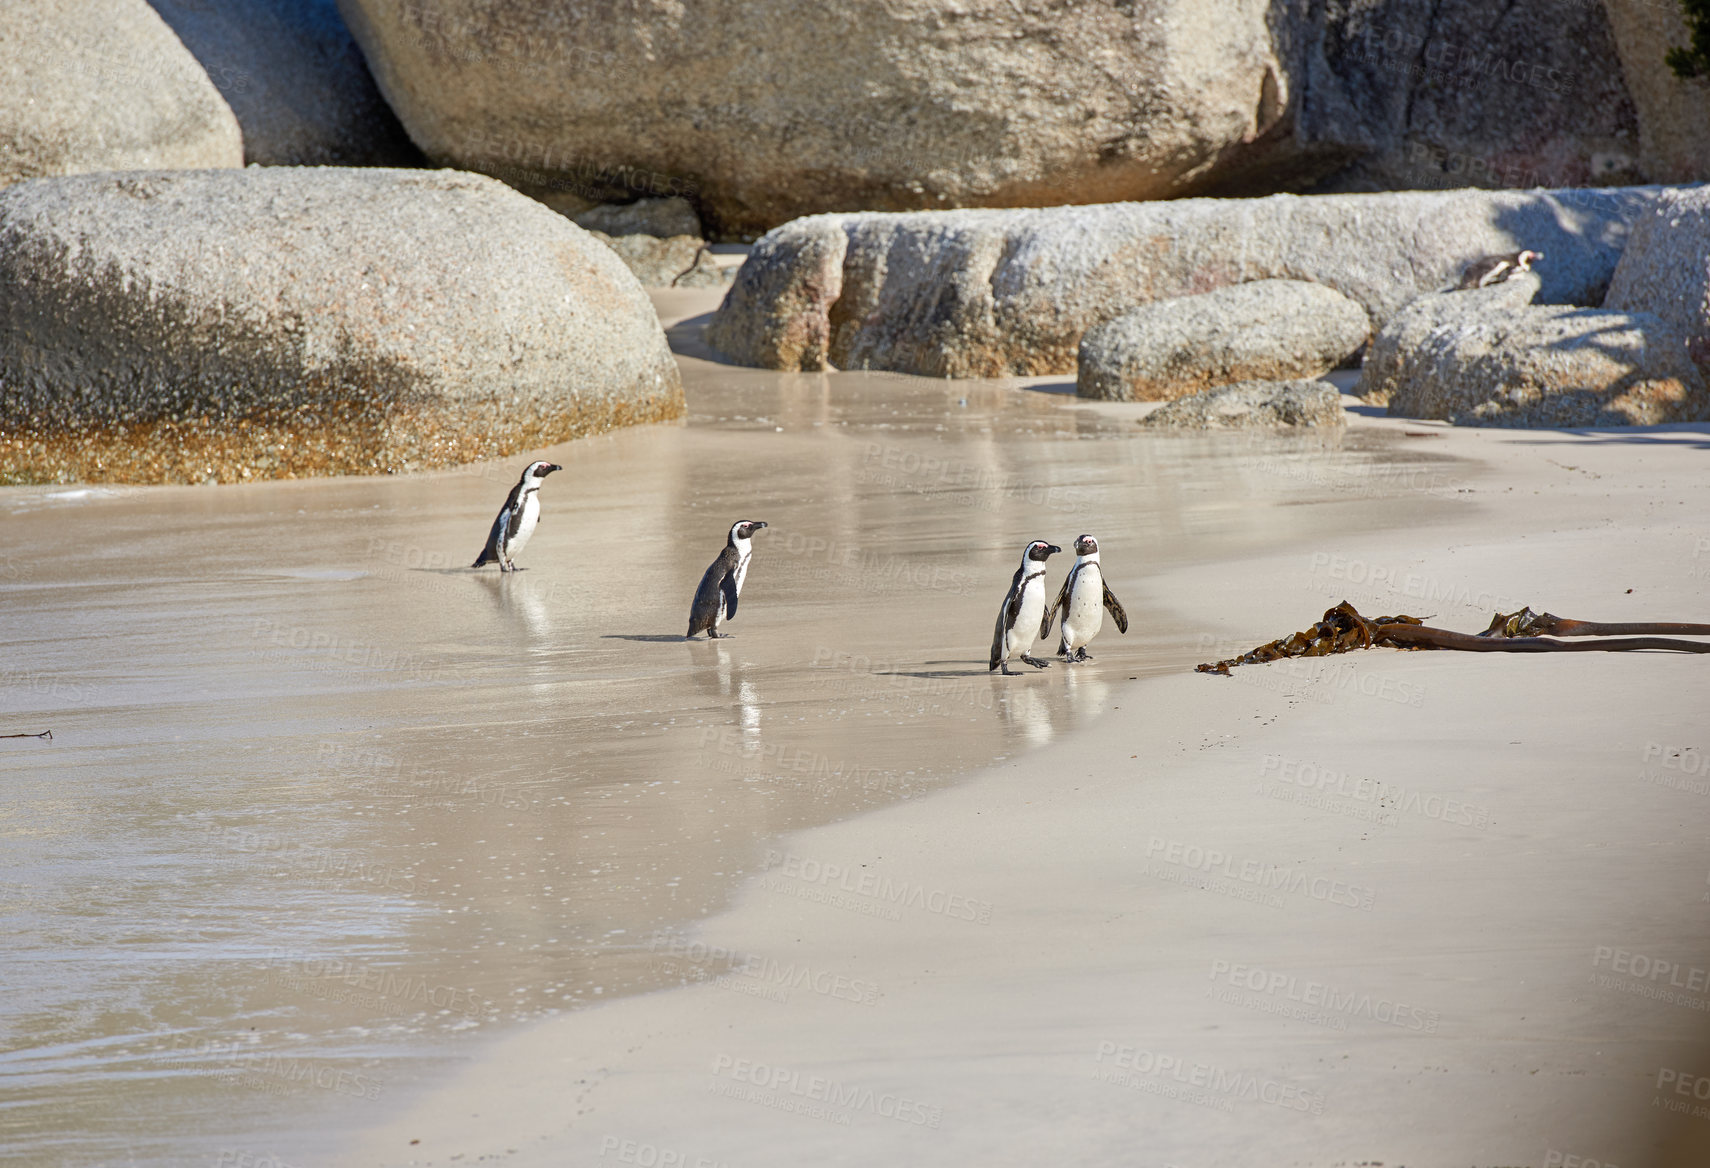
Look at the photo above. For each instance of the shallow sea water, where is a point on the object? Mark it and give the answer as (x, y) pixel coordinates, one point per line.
(323, 808)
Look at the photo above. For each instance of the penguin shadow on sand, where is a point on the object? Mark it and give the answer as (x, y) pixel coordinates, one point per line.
(718, 594)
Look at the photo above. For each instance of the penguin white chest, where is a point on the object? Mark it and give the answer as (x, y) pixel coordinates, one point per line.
(743, 556)
(1028, 616)
(1085, 615)
(526, 522)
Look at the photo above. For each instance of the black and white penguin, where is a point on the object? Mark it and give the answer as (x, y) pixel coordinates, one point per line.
(1495, 269)
(516, 519)
(1023, 606)
(715, 599)
(1082, 602)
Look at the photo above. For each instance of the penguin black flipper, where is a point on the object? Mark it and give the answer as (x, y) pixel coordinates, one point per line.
(717, 590)
(1006, 617)
(501, 530)
(1060, 603)
(728, 586)
(1114, 607)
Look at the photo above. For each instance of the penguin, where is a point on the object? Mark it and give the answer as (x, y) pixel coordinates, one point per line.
(1082, 602)
(1495, 269)
(1023, 605)
(715, 599)
(516, 519)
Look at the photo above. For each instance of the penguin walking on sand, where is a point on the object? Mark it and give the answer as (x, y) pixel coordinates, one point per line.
(1083, 600)
(715, 599)
(516, 520)
(1495, 269)
(1023, 607)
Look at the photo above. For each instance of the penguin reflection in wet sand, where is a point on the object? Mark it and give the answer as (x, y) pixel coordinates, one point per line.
(1023, 608)
(1082, 602)
(715, 599)
(516, 519)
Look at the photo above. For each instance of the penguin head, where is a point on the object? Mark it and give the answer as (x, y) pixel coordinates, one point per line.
(1086, 545)
(539, 470)
(1041, 551)
(1526, 259)
(744, 529)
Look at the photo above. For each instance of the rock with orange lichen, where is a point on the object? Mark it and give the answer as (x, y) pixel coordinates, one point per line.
(280, 322)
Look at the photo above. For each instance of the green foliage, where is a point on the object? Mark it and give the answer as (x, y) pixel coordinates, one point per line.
(1693, 61)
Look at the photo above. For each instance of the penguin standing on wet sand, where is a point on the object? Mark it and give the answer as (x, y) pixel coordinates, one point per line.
(1082, 602)
(516, 519)
(1495, 269)
(715, 599)
(1023, 606)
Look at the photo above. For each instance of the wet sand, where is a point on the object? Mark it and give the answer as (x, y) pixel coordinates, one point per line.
(1391, 908)
(326, 815)
(1399, 909)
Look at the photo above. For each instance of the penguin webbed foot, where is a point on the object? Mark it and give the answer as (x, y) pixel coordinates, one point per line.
(1008, 672)
(1035, 662)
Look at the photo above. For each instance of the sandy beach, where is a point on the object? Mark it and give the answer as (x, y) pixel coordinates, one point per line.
(1405, 909)
(405, 864)
(324, 809)
(328, 842)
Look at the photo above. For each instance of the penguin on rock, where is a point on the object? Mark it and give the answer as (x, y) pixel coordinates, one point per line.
(1083, 601)
(715, 599)
(1495, 269)
(517, 518)
(1023, 608)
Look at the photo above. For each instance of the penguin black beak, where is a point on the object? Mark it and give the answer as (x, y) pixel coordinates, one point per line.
(759, 524)
(549, 468)
(1052, 549)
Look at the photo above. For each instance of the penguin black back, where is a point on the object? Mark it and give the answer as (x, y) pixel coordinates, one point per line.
(1495, 269)
(721, 584)
(516, 519)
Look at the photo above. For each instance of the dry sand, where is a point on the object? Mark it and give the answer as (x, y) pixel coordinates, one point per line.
(1422, 909)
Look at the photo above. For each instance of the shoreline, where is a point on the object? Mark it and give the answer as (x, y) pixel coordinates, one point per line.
(500, 789)
(1275, 902)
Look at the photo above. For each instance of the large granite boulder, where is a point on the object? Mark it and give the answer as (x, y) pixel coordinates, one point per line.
(996, 293)
(1269, 330)
(766, 115)
(1552, 366)
(1393, 347)
(1459, 93)
(295, 79)
(173, 326)
(1254, 405)
(88, 85)
(1665, 268)
(1673, 112)
(768, 112)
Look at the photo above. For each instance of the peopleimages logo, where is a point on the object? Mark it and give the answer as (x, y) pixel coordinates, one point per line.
(1172, 1071)
(879, 888)
(674, 953)
(1663, 975)
(831, 1092)
(1323, 996)
(1555, 1159)
(1391, 797)
(1267, 877)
